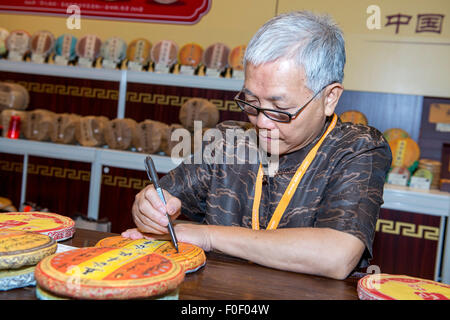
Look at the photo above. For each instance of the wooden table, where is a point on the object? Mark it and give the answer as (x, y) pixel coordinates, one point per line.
(228, 278)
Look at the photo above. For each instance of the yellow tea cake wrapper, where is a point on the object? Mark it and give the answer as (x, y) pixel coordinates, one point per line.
(108, 273)
(189, 256)
(400, 287)
(21, 248)
(54, 225)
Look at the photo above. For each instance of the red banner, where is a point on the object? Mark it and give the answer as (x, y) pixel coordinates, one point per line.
(162, 11)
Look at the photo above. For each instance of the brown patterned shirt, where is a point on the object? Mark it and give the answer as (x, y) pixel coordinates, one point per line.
(342, 188)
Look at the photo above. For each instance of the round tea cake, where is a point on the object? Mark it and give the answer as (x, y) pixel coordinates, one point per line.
(165, 53)
(23, 248)
(3, 35)
(236, 58)
(189, 256)
(62, 128)
(395, 133)
(17, 278)
(89, 130)
(88, 47)
(43, 294)
(190, 55)
(38, 124)
(42, 43)
(401, 287)
(147, 136)
(108, 273)
(114, 49)
(54, 225)
(216, 56)
(18, 41)
(353, 116)
(139, 51)
(13, 96)
(166, 140)
(198, 109)
(405, 151)
(65, 46)
(119, 133)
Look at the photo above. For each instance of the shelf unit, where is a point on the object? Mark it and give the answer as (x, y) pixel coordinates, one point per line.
(397, 198)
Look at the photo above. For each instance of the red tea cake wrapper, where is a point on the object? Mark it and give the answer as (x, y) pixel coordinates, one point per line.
(189, 256)
(62, 128)
(89, 130)
(17, 278)
(54, 225)
(147, 136)
(139, 51)
(353, 116)
(37, 125)
(216, 56)
(395, 133)
(108, 273)
(190, 55)
(165, 53)
(18, 41)
(198, 109)
(13, 96)
(400, 287)
(119, 133)
(88, 47)
(236, 58)
(23, 248)
(405, 151)
(42, 43)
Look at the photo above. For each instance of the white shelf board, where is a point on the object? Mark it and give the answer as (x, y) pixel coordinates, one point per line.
(116, 75)
(60, 71)
(182, 80)
(430, 202)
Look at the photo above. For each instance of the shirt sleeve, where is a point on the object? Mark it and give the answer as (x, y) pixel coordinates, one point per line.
(354, 195)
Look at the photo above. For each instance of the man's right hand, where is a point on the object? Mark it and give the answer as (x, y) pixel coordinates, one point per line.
(149, 212)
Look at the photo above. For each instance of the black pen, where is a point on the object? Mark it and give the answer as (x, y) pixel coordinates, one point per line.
(153, 176)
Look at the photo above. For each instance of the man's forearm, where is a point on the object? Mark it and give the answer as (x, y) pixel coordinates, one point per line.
(319, 251)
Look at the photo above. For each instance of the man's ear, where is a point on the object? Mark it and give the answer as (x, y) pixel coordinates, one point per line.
(332, 94)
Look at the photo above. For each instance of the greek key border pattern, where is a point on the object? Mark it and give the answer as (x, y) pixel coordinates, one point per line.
(110, 94)
(73, 174)
(407, 229)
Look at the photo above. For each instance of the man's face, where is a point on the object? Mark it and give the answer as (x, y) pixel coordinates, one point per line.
(281, 85)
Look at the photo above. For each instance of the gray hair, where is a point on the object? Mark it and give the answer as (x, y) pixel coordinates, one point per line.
(314, 42)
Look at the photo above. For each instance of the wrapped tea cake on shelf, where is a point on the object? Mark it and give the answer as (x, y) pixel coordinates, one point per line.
(119, 133)
(147, 136)
(62, 128)
(89, 130)
(42, 44)
(37, 125)
(198, 109)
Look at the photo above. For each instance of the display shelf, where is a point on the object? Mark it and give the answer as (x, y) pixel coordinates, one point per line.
(430, 202)
(181, 80)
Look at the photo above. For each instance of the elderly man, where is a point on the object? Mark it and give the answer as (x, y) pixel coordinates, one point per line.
(317, 213)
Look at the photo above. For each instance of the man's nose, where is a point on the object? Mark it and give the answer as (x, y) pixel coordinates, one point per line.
(263, 122)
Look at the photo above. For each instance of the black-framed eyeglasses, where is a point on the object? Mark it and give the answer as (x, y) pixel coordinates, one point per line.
(275, 115)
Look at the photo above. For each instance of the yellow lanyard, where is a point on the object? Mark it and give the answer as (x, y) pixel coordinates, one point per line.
(290, 190)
